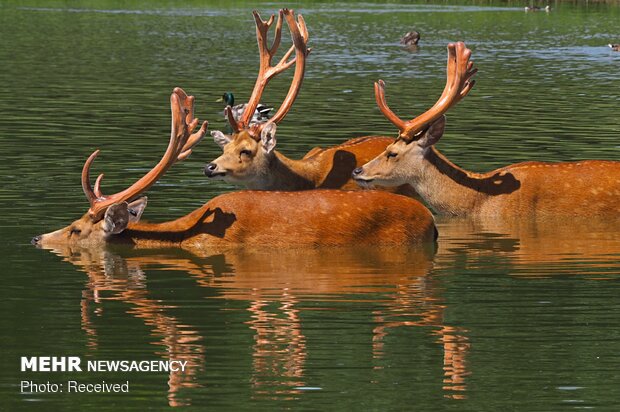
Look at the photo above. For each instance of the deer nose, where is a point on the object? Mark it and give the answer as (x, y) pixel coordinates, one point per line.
(35, 240)
(210, 168)
(357, 172)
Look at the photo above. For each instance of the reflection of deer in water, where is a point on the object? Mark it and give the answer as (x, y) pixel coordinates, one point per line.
(112, 278)
(586, 246)
(274, 285)
(279, 345)
(418, 299)
(399, 276)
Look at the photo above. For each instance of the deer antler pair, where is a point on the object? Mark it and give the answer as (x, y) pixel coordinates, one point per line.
(266, 72)
(182, 141)
(458, 84)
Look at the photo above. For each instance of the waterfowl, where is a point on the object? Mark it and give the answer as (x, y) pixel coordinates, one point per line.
(614, 47)
(261, 114)
(410, 39)
(536, 8)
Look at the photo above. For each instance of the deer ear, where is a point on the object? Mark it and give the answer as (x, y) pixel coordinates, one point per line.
(220, 138)
(136, 208)
(268, 136)
(116, 218)
(433, 133)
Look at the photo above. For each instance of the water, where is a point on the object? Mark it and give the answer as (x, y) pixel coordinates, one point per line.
(518, 317)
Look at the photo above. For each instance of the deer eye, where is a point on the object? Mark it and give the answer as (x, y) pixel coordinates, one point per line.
(245, 152)
(391, 154)
(74, 231)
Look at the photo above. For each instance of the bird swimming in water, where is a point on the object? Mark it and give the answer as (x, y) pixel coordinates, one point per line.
(410, 39)
(536, 8)
(261, 114)
(614, 47)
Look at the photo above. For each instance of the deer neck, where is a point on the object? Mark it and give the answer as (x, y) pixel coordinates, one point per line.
(170, 232)
(283, 173)
(446, 187)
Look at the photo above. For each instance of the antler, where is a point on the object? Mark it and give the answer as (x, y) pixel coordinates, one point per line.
(182, 142)
(299, 34)
(458, 84)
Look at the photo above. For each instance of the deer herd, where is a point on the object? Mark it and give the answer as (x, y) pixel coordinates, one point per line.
(322, 199)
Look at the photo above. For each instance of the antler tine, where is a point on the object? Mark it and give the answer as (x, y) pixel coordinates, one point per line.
(277, 35)
(451, 68)
(299, 35)
(266, 54)
(262, 29)
(468, 82)
(458, 84)
(382, 103)
(98, 192)
(188, 140)
(182, 141)
(88, 190)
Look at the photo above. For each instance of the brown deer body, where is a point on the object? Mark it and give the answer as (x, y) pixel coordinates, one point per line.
(248, 155)
(582, 188)
(256, 218)
(259, 219)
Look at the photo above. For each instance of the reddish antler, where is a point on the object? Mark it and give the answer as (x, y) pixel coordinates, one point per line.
(182, 141)
(299, 34)
(458, 84)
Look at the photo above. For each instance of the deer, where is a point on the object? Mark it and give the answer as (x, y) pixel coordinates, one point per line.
(249, 157)
(247, 218)
(535, 189)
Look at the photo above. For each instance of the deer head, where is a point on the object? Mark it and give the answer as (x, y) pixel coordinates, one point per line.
(395, 165)
(110, 215)
(248, 150)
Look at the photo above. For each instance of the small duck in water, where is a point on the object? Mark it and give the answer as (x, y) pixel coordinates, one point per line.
(410, 39)
(261, 114)
(614, 47)
(536, 8)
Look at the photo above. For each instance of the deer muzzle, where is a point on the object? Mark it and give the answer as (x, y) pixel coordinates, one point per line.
(211, 170)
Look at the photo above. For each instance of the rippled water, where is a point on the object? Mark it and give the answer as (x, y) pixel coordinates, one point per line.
(496, 316)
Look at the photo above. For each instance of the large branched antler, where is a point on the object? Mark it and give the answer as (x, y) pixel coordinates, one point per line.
(458, 84)
(182, 142)
(266, 72)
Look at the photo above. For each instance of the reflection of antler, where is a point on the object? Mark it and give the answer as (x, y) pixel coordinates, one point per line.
(455, 348)
(123, 280)
(179, 342)
(280, 346)
(415, 301)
